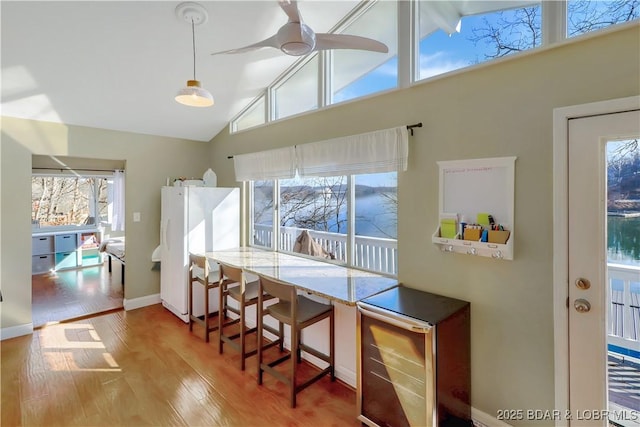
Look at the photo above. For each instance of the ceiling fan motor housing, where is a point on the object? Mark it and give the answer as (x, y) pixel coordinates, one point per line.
(296, 38)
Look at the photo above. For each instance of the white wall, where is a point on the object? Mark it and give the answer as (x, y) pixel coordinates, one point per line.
(495, 110)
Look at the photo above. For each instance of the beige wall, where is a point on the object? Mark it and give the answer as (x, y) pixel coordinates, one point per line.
(149, 161)
(504, 109)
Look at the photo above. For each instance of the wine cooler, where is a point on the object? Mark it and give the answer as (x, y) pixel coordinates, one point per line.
(414, 360)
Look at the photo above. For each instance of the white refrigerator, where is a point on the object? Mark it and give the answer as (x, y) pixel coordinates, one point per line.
(198, 220)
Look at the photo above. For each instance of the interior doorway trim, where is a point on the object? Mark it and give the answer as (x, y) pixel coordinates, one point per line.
(561, 117)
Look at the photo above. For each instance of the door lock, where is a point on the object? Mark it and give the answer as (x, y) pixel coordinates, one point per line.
(582, 305)
(583, 284)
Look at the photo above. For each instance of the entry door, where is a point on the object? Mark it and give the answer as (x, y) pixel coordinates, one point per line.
(588, 301)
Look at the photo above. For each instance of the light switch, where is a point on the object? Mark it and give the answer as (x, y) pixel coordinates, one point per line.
(136, 217)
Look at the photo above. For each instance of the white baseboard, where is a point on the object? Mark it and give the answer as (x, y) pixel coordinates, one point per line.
(132, 304)
(16, 331)
(482, 419)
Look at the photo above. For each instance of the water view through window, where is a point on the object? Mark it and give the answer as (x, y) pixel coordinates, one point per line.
(623, 202)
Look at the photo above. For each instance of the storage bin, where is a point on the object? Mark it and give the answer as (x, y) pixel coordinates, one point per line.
(41, 245)
(66, 242)
(66, 260)
(498, 236)
(472, 234)
(41, 264)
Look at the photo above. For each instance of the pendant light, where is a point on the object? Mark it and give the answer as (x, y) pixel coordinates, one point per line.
(193, 94)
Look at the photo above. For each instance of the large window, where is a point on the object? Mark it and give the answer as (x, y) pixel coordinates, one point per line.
(298, 93)
(356, 73)
(455, 35)
(321, 206)
(451, 35)
(62, 201)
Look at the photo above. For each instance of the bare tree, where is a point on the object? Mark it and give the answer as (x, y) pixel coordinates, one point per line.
(519, 29)
(318, 205)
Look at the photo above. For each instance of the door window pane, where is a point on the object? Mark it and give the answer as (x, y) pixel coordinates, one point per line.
(299, 93)
(623, 277)
(358, 73)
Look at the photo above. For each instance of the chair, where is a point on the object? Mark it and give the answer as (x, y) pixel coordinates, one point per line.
(298, 312)
(199, 272)
(246, 295)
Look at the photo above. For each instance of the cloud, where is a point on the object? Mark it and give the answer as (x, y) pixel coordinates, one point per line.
(439, 63)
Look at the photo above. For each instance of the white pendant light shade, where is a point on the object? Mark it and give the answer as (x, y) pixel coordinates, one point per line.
(194, 96)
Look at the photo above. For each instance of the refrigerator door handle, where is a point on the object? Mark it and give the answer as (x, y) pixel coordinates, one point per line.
(166, 233)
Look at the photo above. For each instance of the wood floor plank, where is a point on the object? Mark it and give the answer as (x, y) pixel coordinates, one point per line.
(144, 367)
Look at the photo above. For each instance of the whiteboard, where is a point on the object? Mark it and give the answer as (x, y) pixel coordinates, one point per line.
(470, 187)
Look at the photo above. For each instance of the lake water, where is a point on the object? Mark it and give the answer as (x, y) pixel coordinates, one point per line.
(623, 240)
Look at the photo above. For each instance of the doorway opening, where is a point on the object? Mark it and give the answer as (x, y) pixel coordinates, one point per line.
(77, 205)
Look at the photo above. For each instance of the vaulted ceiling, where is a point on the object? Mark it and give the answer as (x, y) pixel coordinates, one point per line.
(118, 64)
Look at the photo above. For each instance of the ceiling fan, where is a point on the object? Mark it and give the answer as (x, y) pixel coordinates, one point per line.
(296, 38)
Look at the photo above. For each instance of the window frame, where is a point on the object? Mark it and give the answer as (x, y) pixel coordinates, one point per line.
(350, 258)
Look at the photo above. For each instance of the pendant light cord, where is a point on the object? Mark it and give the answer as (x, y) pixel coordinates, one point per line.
(193, 35)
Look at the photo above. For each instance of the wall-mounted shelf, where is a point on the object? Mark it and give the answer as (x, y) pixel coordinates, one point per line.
(469, 187)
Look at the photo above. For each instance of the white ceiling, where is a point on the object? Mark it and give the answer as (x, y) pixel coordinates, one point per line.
(118, 64)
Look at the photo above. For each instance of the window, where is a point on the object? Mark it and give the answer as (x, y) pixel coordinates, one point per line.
(299, 92)
(451, 35)
(321, 206)
(262, 213)
(357, 73)
(584, 16)
(59, 201)
(253, 116)
(455, 35)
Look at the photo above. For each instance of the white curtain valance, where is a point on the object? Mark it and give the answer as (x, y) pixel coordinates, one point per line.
(265, 165)
(380, 151)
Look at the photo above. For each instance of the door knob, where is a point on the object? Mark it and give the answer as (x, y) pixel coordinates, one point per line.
(582, 305)
(583, 284)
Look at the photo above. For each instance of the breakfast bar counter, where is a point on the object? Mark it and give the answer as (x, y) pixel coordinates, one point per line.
(343, 286)
(328, 280)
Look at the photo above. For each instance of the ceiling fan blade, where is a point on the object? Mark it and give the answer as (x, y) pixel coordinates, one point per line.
(290, 7)
(347, 41)
(270, 42)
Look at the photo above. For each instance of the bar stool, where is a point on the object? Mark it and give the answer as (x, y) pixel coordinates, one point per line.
(246, 295)
(298, 312)
(199, 272)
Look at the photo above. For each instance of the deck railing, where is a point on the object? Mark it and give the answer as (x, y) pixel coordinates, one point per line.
(370, 253)
(624, 308)
(381, 255)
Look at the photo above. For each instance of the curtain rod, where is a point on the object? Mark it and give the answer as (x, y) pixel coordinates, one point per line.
(409, 127)
(77, 169)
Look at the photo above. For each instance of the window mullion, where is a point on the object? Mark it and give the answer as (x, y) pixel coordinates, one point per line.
(351, 220)
(554, 21)
(275, 241)
(407, 43)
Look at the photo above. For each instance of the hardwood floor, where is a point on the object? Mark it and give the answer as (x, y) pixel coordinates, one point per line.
(144, 367)
(74, 293)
